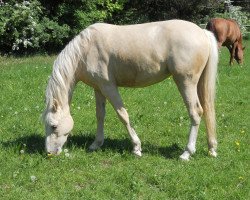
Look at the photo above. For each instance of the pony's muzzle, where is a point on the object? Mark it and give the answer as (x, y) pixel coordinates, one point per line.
(52, 148)
(55, 151)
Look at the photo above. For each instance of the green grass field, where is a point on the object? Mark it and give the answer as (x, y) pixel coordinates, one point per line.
(161, 121)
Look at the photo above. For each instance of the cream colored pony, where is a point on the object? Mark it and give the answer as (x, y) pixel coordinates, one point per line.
(106, 57)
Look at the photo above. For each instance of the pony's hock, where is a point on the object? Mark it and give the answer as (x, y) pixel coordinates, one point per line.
(106, 57)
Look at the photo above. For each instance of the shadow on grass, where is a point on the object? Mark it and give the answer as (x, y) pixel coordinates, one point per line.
(34, 144)
(31, 144)
(121, 145)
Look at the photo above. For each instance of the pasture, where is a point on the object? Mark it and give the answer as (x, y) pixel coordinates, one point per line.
(160, 118)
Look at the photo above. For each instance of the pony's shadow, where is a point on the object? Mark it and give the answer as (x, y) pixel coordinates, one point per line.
(121, 145)
(31, 144)
(35, 144)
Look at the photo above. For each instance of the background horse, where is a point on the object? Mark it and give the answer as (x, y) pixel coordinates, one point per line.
(227, 33)
(106, 56)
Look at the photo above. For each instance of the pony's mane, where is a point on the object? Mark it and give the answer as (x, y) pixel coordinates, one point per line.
(62, 78)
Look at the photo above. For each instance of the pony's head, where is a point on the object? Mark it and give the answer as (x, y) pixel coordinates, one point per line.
(58, 124)
(57, 118)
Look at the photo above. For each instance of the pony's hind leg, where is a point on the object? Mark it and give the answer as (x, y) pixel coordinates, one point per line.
(112, 94)
(189, 94)
(100, 115)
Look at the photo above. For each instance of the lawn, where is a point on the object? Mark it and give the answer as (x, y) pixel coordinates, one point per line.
(161, 121)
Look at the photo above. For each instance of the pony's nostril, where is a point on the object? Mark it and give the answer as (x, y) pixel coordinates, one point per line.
(58, 150)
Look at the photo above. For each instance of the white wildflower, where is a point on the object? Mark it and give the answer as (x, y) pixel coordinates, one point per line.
(67, 155)
(33, 178)
(15, 174)
(26, 3)
(66, 151)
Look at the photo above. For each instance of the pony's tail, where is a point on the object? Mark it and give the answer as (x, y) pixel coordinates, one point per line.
(207, 90)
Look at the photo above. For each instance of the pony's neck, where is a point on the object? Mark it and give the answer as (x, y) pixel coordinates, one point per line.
(61, 83)
(60, 93)
(63, 78)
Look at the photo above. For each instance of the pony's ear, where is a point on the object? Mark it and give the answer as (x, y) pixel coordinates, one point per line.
(55, 105)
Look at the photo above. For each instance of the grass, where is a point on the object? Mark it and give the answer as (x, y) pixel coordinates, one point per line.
(161, 121)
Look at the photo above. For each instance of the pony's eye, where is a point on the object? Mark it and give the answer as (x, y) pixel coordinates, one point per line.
(53, 127)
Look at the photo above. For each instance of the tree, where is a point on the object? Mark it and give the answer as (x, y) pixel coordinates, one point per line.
(155, 10)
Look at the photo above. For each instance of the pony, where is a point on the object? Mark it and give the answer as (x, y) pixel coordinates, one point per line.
(106, 57)
(227, 33)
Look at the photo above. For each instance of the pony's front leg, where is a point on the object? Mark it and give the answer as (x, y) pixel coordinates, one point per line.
(112, 94)
(124, 117)
(100, 115)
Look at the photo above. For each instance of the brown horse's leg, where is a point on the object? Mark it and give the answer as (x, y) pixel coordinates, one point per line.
(232, 52)
(100, 115)
(112, 94)
(188, 90)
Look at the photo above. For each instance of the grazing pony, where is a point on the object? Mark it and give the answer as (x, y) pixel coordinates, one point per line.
(227, 33)
(106, 57)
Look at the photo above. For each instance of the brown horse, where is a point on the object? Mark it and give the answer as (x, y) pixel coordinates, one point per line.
(227, 33)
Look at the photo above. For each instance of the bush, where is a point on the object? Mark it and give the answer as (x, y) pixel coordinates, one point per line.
(236, 13)
(197, 11)
(79, 14)
(24, 28)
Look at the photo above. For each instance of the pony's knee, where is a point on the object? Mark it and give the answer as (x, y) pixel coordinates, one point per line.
(123, 115)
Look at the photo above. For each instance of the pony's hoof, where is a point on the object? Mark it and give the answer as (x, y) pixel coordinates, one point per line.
(94, 146)
(212, 153)
(185, 156)
(137, 153)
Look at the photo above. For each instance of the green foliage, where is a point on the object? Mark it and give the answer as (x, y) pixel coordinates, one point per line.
(158, 115)
(25, 29)
(236, 13)
(193, 10)
(80, 14)
(45, 25)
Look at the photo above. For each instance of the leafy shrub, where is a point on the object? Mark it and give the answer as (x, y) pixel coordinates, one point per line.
(24, 28)
(236, 13)
(82, 13)
(196, 11)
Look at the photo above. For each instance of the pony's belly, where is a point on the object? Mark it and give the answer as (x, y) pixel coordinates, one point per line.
(142, 79)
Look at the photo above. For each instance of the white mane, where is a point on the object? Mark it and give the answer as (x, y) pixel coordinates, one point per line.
(62, 77)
